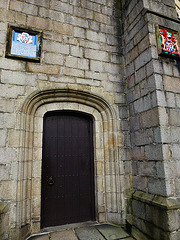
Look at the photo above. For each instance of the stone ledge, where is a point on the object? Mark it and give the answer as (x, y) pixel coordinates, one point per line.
(146, 10)
(138, 235)
(153, 199)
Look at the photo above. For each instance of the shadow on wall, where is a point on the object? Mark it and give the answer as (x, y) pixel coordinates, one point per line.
(178, 66)
(119, 27)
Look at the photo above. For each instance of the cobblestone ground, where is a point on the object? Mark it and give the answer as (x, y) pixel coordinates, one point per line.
(92, 232)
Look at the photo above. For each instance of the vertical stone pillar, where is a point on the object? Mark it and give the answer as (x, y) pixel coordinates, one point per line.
(153, 98)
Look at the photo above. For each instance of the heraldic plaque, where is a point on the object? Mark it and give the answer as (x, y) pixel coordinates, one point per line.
(23, 44)
(168, 42)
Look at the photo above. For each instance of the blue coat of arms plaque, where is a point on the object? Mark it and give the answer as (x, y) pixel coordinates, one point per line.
(23, 44)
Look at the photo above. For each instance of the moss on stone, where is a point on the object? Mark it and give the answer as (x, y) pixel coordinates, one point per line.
(3, 207)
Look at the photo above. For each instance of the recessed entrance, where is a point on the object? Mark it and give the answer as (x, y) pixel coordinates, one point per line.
(67, 169)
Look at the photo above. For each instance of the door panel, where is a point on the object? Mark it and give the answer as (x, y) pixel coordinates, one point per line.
(67, 169)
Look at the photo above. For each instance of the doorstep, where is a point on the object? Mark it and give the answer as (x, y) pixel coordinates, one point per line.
(84, 231)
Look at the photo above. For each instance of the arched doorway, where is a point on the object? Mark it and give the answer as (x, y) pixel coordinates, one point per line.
(67, 194)
(107, 139)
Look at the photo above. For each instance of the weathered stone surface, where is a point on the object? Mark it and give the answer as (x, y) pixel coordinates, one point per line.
(46, 69)
(61, 6)
(149, 118)
(52, 58)
(89, 233)
(64, 235)
(174, 117)
(66, 29)
(55, 47)
(139, 182)
(12, 64)
(138, 234)
(112, 232)
(20, 78)
(11, 91)
(46, 13)
(4, 172)
(23, 7)
(3, 137)
(43, 237)
(171, 84)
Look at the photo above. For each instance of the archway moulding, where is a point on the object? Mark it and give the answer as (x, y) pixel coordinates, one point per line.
(107, 142)
(60, 95)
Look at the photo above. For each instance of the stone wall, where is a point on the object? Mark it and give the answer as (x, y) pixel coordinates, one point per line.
(98, 57)
(153, 102)
(81, 69)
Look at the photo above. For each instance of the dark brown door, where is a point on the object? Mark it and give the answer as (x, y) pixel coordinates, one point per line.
(67, 169)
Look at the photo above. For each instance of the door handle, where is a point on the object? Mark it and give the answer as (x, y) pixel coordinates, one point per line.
(51, 181)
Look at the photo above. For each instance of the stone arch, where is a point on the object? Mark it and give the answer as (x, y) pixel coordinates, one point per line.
(107, 143)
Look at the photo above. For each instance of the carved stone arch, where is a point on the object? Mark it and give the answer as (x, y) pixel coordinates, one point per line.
(107, 144)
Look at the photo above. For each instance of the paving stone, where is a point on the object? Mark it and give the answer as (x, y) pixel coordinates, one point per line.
(111, 232)
(126, 238)
(90, 233)
(43, 237)
(64, 235)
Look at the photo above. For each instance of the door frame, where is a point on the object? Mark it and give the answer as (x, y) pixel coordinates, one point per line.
(110, 179)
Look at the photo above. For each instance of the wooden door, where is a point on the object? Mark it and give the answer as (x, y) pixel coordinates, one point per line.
(67, 169)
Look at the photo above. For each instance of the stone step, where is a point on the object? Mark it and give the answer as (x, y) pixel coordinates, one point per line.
(93, 232)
